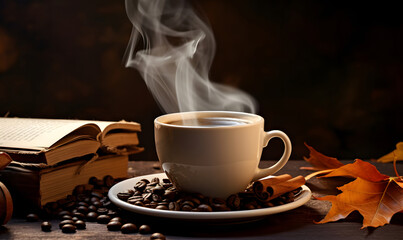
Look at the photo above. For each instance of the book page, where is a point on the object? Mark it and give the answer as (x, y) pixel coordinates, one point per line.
(29, 133)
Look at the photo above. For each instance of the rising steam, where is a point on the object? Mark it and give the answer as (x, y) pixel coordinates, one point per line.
(175, 58)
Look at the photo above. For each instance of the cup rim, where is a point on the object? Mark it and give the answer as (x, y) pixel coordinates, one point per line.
(253, 118)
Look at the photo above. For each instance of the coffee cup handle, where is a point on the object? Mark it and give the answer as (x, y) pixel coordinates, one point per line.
(260, 173)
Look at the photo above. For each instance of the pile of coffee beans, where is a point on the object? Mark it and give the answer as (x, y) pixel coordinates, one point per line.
(89, 203)
(161, 194)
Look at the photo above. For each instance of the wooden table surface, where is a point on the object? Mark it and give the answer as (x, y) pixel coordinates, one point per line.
(293, 224)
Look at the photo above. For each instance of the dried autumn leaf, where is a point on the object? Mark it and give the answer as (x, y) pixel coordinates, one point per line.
(396, 154)
(320, 161)
(359, 169)
(377, 197)
(377, 202)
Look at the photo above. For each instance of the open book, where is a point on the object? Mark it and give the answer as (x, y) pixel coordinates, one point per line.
(51, 141)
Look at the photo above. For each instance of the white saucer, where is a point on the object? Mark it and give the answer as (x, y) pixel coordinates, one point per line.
(228, 216)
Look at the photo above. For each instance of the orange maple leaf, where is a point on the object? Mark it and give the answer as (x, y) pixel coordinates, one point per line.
(377, 197)
(377, 202)
(320, 161)
(358, 169)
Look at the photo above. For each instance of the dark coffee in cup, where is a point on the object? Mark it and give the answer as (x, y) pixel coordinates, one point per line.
(209, 122)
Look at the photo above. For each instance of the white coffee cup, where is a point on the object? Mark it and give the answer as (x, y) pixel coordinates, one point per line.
(215, 153)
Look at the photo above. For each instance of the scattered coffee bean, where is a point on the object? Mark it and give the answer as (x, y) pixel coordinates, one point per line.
(64, 213)
(32, 217)
(64, 222)
(80, 224)
(92, 216)
(92, 208)
(116, 219)
(158, 236)
(79, 215)
(109, 181)
(104, 219)
(114, 226)
(67, 217)
(128, 228)
(144, 229)
(46, 226)
(68, 228)
(102, 211)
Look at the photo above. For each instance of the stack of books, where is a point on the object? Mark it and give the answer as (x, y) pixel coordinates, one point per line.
(52, 156)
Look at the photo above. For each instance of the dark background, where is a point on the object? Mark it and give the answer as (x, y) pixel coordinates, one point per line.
(328, 73)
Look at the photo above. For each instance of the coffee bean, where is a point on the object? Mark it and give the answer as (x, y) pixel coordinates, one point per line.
(144, 229)
(187, 202)
(97, 204)
(79, 215)
(145, 180)
(174, 206)
(82, 203)
(46, 226)
(82, 209)
(67, 217)
(155, 180)
(106, 204)
(137, 193)
(79, 190)
(64, 222)
(92, 216)
(96, 194)
(93, 180)
(68, 228)
(32, 217)
(63, 213)
(103, 219)
(158, 236)
(114, 225)
(249, 206)
(112, 213)
(158, 190)
(80, 224)
(156, 197)
(116, 219)
(108, 181)
(186, 207)
(134, 199)
(128, 228)
(147, 196)
(102, 211)
(139, 203)
(124, 195)
(162, 207)
(234, 202)
(204, 208)
(94, 199)
(140, 186)
(170, 195)
(92, 208)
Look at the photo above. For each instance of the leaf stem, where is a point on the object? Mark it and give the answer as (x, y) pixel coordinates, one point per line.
(318, 173)
(394, 164)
